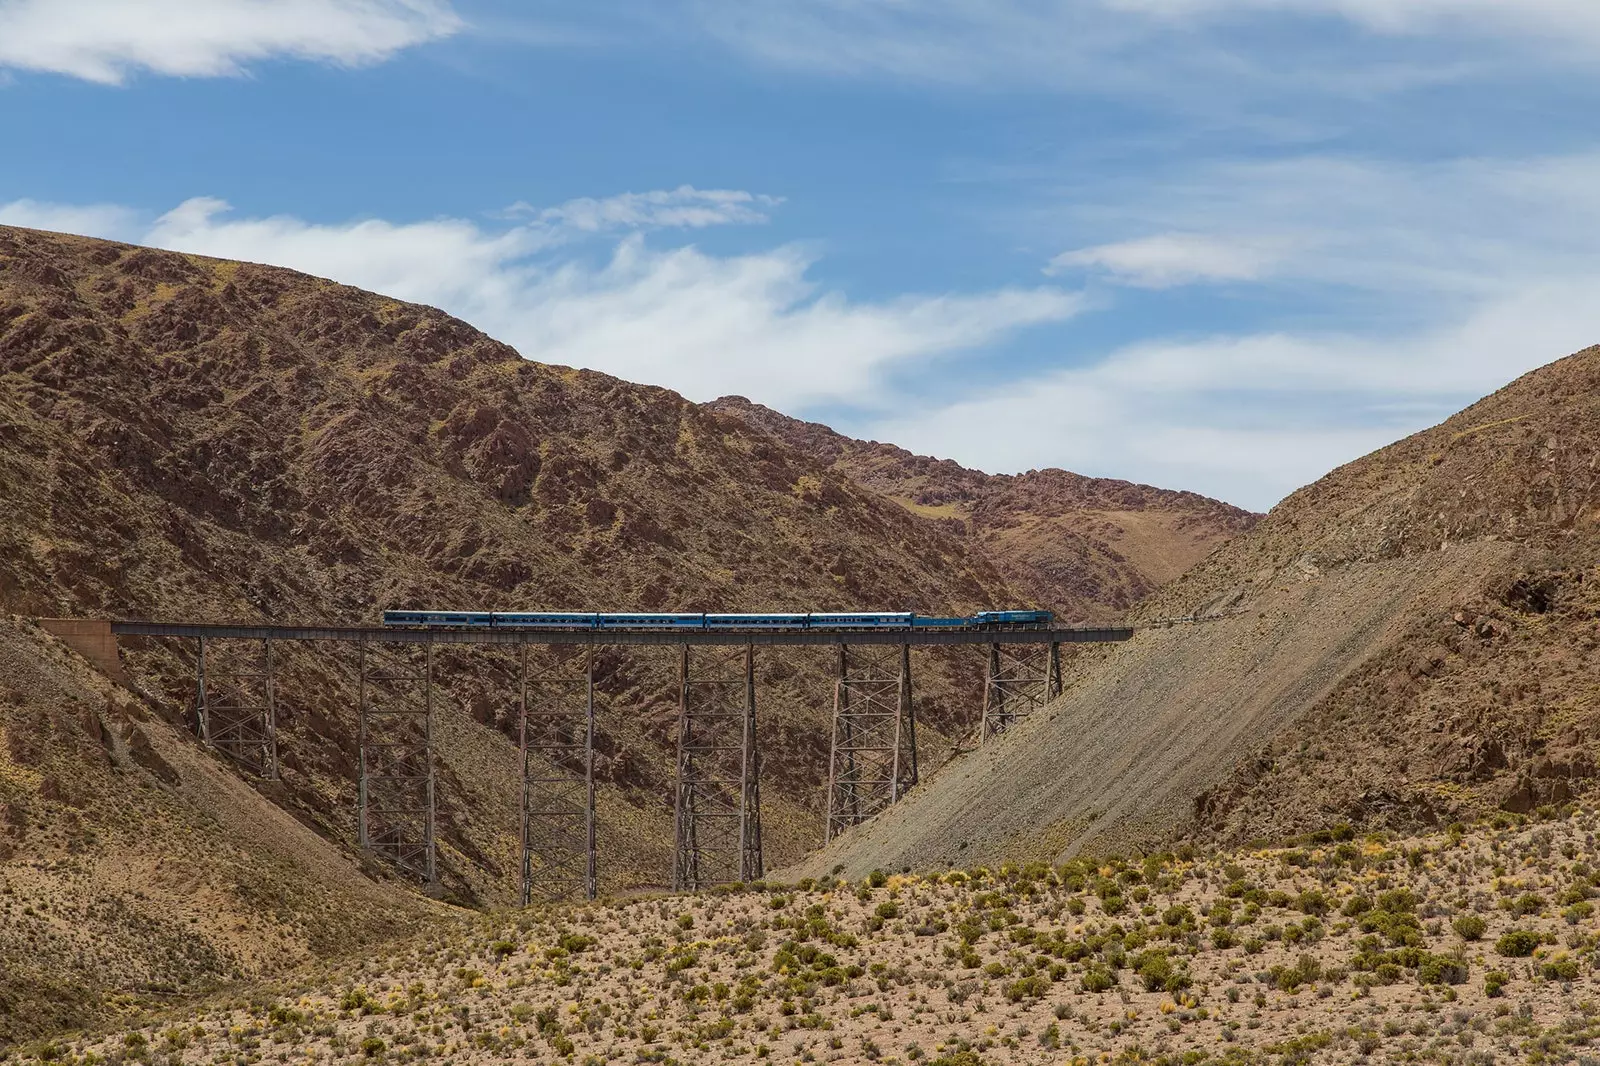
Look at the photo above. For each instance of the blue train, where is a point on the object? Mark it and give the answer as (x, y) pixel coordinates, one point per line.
(562, 620)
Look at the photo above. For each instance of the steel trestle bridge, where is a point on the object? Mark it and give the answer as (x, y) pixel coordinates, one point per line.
(717, 815)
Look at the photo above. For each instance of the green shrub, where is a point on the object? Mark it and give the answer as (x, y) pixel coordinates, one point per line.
(1561, 968)
(877, 879)
(1441, 970)
(1028, 988)
(372, 1047)
(887, 909)
(1517, 944)
(1469, 926)
(1099, 978)
(1494, 983)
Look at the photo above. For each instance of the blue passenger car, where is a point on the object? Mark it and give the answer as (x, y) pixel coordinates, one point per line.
(861, 620)
(452, 619)
(643, 620)
(544, 619)
(755, 621)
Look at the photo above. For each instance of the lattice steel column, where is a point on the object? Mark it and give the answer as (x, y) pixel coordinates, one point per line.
(236, 708)
(873, 761)
(396, 813)
(718, 810)
(558, 837)
(1022, 679)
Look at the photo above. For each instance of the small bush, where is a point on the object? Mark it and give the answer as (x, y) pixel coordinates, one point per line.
(1561, 968)
(1099, 979)
(1494, 983)
(1517, 944)
(1441, 970)
(1469, 926)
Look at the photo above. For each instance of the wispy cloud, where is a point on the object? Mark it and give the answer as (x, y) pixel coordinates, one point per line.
(1170, 259)
(684, 207)
(1250, 418)
(108, 40)
(703, 324)
(1445, 281)
(1108, 45)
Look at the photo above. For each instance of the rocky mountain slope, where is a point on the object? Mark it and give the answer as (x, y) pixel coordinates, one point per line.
(1410, 640)
(1089, 548)
(188, 438)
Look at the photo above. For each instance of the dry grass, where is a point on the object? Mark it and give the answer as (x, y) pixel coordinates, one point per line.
(1469, 946)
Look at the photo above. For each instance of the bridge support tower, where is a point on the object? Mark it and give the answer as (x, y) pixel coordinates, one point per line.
(873, 757)
(236, 705)
(718, 808)
(558, 824)
(1022, 678)
(396, 816)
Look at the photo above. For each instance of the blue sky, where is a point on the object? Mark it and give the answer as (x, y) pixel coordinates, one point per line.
(1221, 245)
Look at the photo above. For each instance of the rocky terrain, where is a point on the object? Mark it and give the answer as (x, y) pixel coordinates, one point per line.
(188, 438)
(1089, 548)
(1468, 946)
(1411, 640)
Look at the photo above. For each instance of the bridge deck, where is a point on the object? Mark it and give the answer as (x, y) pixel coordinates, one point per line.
(382, 635)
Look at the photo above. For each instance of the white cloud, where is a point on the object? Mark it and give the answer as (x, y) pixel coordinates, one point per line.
(1170, 259)
(103, 220)
(1251, 418)
(685, 207)
(106, 40)
(1447, 281)
(702, 324)
(1109, 45)
(1536, 18)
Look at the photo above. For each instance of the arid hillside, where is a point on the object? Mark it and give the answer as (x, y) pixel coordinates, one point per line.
(1413, 639)
(1089, 548)
(135, 868)
(1469, 946)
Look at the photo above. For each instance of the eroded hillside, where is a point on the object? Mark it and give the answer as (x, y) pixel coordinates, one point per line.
(1089, 548)
(1408, 641)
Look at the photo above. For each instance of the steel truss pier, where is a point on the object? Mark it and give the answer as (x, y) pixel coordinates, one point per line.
(1022, 679)
(873, 757)
(717, 804)
(396, 813)
(236, 706)
(557, 738)
(717, 824)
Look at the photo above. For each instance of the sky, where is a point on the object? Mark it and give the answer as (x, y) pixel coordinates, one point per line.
(1219, 245)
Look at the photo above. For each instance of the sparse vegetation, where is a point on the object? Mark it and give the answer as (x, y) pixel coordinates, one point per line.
(1354, 957)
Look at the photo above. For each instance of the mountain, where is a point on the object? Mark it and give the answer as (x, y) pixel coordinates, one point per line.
(1088, 548)
(1409, 641)
(185, 438)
